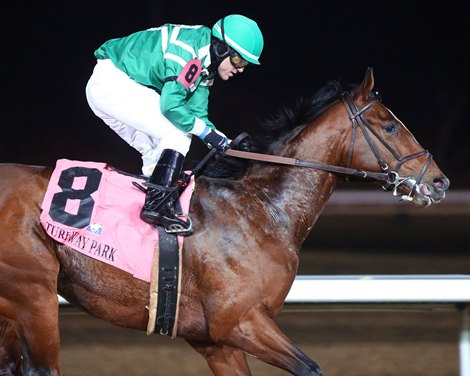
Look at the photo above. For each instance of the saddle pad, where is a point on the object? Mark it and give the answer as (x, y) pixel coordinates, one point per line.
(95, 210)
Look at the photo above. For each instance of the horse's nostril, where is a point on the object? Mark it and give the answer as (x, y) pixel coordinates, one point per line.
(441, 183)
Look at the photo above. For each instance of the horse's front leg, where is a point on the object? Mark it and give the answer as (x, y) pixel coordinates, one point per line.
(222, 360)
(258, 335)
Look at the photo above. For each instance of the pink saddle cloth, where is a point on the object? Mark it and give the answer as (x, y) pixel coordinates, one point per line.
(95, 210)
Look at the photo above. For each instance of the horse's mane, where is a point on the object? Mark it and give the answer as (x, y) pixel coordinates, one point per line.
(277, 128)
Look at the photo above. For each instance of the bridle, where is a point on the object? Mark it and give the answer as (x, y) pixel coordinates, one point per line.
(391, 178)
(394, 180)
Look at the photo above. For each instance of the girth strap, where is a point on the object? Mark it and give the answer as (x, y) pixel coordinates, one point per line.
(168, 273)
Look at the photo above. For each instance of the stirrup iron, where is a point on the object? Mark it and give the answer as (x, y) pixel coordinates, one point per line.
(178, 229)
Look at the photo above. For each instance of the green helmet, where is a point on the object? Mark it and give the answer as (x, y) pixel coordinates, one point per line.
(242, 34)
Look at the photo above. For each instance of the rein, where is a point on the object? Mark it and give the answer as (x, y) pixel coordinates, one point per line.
(391, 178)
(301, 163)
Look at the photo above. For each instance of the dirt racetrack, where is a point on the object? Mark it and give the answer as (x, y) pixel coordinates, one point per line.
(343, 343)
(406, 342)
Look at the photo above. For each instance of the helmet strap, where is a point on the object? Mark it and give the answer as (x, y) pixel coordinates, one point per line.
(219, 51)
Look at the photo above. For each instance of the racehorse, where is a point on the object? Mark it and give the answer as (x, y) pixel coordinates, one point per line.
(241, 261)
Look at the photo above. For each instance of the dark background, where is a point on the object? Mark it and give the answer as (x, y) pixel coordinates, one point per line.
(418, 52)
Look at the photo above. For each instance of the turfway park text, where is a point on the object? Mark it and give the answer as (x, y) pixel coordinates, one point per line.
(94, 247)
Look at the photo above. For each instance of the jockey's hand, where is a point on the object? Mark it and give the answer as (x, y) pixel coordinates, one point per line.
(217, 140)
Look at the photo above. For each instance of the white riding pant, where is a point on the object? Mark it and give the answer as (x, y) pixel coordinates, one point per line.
(133, 112)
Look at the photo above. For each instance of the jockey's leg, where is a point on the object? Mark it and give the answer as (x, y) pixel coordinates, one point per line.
(163, 181)
(133, 112)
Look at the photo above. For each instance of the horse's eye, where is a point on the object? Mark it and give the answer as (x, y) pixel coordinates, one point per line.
(391, 128)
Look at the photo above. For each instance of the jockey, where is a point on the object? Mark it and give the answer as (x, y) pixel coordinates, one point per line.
(152, 89)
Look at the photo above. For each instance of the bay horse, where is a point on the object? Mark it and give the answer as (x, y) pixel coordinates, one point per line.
(241, 261)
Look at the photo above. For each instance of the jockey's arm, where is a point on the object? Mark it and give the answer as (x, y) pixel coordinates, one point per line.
(175, 107)
(191, 114)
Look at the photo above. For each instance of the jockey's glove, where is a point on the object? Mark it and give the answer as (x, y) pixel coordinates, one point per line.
(217, 140)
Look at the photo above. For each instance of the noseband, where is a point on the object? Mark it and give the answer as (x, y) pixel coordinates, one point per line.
(391, 178)
(394, 180)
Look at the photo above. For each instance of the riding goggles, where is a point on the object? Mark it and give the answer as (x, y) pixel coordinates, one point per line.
(236, 59)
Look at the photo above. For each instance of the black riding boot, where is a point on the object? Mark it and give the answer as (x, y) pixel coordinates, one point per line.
(163, 181)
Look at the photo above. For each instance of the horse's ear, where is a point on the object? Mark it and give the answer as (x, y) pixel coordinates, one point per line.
(367, 84)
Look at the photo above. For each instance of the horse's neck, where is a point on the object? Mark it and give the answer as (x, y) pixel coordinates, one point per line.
(298, 195)
(285, 201)
(291, 198)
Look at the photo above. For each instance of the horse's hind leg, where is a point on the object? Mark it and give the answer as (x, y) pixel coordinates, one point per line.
(259, 336)
(222, 360)
(30, 303)
(10, 350)
(39, 333)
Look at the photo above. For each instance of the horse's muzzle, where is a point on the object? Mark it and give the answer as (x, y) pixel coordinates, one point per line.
(418, 193)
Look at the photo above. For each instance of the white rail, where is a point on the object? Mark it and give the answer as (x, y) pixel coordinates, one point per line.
(391, 289)
(367, 290)
(380, 289)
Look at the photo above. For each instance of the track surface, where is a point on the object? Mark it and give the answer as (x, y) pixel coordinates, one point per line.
(344, 343)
